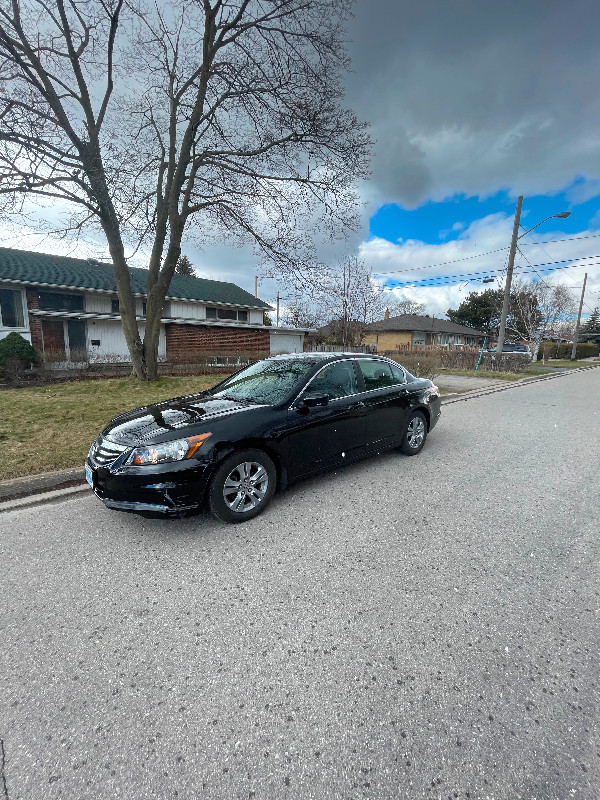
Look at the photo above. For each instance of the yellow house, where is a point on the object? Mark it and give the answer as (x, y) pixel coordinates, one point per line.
(414, 330)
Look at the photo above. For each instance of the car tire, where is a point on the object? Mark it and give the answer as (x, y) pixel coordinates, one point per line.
(415, 434)
(242, 486)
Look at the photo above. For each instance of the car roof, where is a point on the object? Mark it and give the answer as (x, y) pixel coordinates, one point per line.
(320, 356)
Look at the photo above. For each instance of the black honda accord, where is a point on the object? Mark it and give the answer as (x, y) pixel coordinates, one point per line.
(271, 423)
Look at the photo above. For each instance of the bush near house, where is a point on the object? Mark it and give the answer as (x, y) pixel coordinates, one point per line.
(563, 350)
(16, 354)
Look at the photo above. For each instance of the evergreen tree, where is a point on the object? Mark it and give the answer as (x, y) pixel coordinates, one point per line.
(590, 330)
(184, 267)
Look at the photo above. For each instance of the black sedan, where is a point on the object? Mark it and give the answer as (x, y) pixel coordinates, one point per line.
(271, 423)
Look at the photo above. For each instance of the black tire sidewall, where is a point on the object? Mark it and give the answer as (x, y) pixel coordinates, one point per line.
(405, 447)
(219, 508)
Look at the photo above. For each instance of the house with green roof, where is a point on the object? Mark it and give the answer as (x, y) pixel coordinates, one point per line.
(68, 308)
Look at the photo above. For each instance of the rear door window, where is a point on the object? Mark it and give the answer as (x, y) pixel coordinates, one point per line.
(379, 374)
(336, 380)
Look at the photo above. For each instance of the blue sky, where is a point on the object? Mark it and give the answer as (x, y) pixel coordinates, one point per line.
(437, 222)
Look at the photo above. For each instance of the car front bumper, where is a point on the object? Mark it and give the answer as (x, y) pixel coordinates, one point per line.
(170, 489)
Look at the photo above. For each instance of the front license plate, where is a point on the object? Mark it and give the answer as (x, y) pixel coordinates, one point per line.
(88, 476)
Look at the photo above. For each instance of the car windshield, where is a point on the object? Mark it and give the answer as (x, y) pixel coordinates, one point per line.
(266, 382)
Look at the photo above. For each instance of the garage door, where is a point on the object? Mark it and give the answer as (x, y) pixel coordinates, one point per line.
(286, 343)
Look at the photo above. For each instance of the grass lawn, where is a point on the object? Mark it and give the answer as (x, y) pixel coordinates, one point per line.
(52, 427)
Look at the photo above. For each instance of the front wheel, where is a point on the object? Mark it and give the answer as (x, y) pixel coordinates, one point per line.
(242, 486)
(415, 434)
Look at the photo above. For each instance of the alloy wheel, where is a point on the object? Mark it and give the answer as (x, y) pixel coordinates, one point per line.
(415, 432)
(245, 487)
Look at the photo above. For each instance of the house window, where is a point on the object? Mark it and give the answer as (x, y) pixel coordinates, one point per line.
(114, 306)
(226, 314)
(447, 338)
(53, 301)
(11, 309)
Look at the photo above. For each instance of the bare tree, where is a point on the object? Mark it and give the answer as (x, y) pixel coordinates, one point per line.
(351, 298)
(215, 117)
(405, 306)
(540, 308)
(299, 313)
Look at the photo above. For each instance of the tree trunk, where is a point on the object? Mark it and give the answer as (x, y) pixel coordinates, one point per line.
(91, 158)
(159, 280)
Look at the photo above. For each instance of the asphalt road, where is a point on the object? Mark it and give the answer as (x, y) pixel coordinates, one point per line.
(406, 628)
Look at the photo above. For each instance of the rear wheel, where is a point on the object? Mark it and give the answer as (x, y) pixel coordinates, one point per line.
(242, 486)
(415, 434)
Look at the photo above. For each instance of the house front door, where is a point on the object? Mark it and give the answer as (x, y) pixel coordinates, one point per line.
(53, 333)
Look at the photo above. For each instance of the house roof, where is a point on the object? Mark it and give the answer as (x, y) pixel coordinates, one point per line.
(416, 322)
(41, 269)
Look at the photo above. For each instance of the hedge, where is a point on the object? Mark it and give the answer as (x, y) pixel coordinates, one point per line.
(563, 350)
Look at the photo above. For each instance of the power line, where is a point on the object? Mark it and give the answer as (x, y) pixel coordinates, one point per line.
(443, 263)
(543, 249)
(491, 252)
(568, 239)
(488, 272)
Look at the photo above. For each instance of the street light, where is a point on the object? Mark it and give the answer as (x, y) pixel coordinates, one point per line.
(511, 262)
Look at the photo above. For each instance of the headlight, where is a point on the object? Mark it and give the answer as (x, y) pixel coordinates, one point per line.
(167, 451)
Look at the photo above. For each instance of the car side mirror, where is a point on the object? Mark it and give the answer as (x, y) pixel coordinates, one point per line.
(312, 400)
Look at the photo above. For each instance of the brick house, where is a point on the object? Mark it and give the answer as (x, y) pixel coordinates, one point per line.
(68, 309)
(415, 330)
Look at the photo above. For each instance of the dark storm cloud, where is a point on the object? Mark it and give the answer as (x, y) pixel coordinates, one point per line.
(474, 96)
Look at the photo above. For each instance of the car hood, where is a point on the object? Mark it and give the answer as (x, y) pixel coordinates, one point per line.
(170, 419)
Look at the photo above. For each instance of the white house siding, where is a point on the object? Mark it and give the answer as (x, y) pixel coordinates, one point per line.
(187, 310)
(21, 331)
(98, 303)
(286, 343)
(255, 317)
(112, 345)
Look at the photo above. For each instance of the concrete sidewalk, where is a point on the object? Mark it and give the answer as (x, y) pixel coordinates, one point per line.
(461, 383)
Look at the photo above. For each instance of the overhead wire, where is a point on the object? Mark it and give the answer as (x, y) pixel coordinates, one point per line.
(492, 272)
(543, 249)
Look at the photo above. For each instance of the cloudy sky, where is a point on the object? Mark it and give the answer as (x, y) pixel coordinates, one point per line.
(471, 104)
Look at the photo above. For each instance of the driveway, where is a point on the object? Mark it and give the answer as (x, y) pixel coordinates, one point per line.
(405, 628)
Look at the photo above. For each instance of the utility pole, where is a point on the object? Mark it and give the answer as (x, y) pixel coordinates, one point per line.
(256, 286)
(277, 323)
(576, 334)
(509, 272)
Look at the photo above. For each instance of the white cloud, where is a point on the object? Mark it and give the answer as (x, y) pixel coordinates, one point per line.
(483, 248)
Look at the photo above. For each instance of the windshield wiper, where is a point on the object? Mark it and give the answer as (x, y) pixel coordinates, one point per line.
(239, 399)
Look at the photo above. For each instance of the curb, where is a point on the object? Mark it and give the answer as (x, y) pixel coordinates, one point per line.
(44, 482)
(41, 498)
(458, 398)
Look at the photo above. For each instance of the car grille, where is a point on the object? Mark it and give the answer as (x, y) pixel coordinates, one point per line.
(104, 452)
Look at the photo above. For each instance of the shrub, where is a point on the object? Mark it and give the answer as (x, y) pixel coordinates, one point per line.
(14, 346)
(420, 363)
(563, 350)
